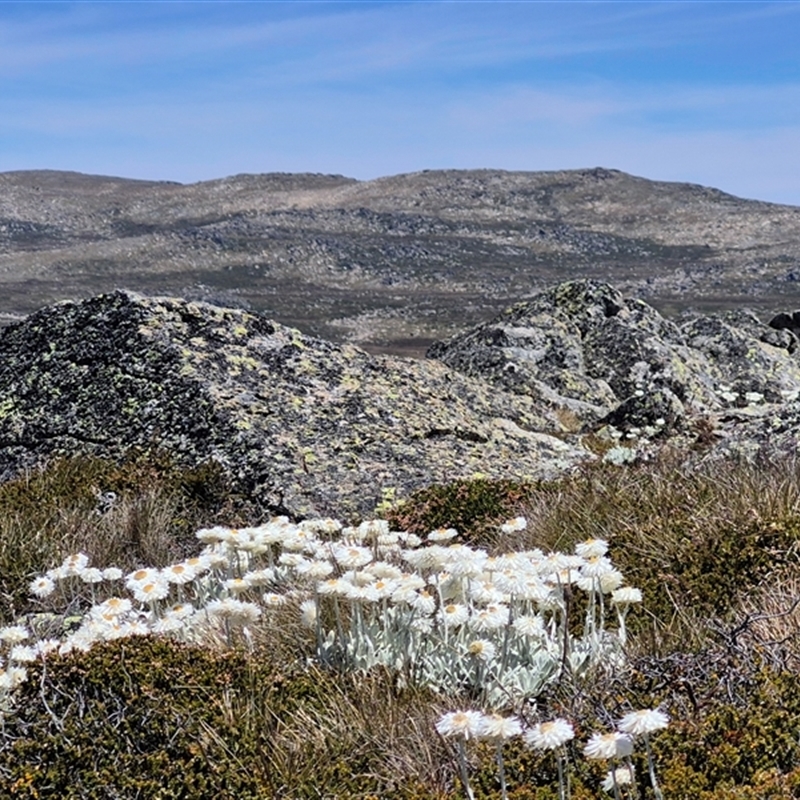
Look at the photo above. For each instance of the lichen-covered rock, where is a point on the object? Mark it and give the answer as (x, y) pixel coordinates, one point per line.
(585, 347)
(659, 410)
(741, 360)
(301, 425)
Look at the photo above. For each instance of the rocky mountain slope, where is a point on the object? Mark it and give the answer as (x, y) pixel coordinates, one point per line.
(308, 427)
(393, 263)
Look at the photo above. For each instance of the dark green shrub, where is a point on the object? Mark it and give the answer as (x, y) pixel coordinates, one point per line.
(131, 718)
(150, 718)
(475, 508)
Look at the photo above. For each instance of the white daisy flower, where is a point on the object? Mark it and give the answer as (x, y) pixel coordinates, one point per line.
(236, 585)
(514, 525)
(113, 607)
(454, 614)
(607, 582)
(442, 535)
(12, 677)
(532, 626)
(608, 745)
(74, 564)
(411, 582)
(315, 569)
(81, 640)
(626, 595)
(112, 574)
(167, 624)
(180, 610)
(273, 600)
(292, 560)
(489, 619)
(181, 573)
(236, 537)
(91, 575)
(57, 573)
(149, 591)
(212, 535)
(369, 530)
(139, 576)
(326, 526)
(199, 563)
(352, 556)
(260, 577)
(433, 557)
(334, 586)
(14, 634)
(482, 649)
(596, 567)
(423, 625)
(382, 569)
(611, 581)
(42, 586)
(645, 721)
(366, 594)
(533, 589)
(308, 613)
(46, 646)
(591, 548)
(621, 776)
(236, 610)
(497, 728)
(136, 627)
(550, 735)
(464, 724)
(463, 561)
(388, 540)
(486, 593)
(423, 603)
(23, 653)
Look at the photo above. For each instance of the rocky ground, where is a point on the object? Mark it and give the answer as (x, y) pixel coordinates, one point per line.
(395, 263)
(306, 426)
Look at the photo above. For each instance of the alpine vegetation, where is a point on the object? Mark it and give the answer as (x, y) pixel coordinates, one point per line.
(437, 613)
(441, 614)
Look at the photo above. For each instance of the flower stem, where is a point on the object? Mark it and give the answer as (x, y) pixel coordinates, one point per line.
(651, 766)
(502, 770)
(562, 791)
(462, 767)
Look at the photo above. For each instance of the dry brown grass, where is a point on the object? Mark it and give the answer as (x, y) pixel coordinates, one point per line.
(47, 514)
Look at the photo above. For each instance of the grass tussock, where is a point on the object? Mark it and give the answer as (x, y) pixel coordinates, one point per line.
(704, 541)
(142, 511)
(716, 645)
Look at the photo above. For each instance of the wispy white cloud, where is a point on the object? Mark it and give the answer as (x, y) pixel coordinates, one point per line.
(196, 90)
(342, 40)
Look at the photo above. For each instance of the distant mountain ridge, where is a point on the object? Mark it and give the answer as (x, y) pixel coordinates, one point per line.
(396, 262)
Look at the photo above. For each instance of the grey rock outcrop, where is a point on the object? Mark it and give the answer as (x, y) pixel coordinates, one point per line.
(307, 427)
(609, 359)
(301, 425)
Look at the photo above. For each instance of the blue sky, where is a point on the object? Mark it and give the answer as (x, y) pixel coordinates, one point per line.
(187, 91)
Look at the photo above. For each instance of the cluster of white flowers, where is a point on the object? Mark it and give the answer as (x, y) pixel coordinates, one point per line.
(615, 746)
(634, 444)
(440, 612)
